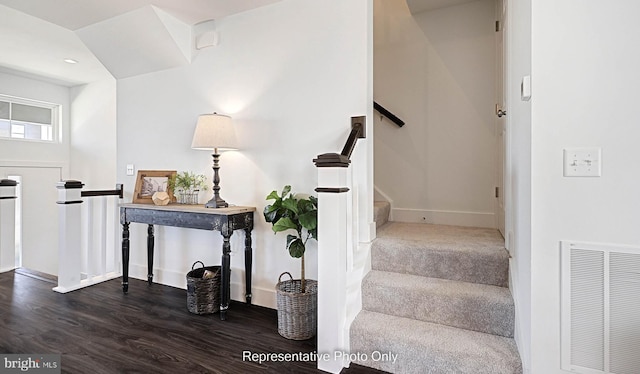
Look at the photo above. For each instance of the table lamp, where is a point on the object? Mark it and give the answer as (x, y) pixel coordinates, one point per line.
(215, 132)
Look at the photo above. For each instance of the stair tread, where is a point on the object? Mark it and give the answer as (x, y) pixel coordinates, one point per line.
(452, 252)
(425, 347)
(443, 237)
(472, 306)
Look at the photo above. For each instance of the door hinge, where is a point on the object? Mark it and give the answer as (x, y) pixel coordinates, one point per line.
(497, 192)
(497, 26)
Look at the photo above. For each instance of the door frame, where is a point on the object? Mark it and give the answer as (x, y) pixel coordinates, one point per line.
(501, 123)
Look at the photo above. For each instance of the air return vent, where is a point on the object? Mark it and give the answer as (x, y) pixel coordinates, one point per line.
(600, 308)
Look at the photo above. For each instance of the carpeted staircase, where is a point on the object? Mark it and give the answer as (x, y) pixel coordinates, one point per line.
(381, 212)
(437, 298)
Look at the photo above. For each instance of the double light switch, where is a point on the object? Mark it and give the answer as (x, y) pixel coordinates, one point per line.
(582, 162)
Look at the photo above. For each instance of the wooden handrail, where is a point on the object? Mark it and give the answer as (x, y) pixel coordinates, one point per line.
(119, 191)
(392, 117)
(358, 131)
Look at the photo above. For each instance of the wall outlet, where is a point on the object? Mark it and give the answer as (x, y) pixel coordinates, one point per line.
(582, 162)
(130, 169)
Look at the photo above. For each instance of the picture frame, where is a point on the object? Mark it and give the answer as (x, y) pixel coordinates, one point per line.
(150, 181)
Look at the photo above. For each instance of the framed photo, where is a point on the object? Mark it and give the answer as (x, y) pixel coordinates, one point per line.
(149, 182)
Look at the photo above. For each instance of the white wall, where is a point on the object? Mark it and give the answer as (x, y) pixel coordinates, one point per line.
(291, 75)
(20, 153)
(585, 80)
(436, 71)
(87, 152)
(93, 134)
(37, 200)
(40, 165)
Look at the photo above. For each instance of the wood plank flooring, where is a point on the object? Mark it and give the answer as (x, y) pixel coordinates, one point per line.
(101, 330)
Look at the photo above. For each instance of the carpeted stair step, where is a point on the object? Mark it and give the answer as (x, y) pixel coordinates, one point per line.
(466, 254)
(381, 211)
(470, 306)
(424, 347)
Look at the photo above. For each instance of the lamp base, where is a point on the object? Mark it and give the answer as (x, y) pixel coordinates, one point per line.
(216, 202)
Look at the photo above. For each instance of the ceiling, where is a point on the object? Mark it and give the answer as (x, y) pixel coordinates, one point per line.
(37, 35)
(417, 6)
(75, 14)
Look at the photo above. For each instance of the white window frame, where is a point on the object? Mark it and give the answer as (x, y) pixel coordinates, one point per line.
(56, 118)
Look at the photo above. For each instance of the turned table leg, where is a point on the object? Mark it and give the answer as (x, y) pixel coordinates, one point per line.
(150, 243)
(248, 257)
(125, 257)
(225, 293)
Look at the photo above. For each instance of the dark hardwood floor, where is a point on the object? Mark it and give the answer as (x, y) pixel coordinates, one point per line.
(100, 330)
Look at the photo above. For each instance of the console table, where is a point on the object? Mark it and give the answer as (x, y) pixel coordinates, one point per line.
(225, 220)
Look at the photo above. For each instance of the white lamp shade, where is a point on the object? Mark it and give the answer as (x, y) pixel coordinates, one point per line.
(214, 131)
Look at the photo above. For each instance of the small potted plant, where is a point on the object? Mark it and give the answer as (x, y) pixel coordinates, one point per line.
(297, 299)
(186, 186)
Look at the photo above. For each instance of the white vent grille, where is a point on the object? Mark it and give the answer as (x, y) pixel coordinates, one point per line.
(624, 303)
(600, 308)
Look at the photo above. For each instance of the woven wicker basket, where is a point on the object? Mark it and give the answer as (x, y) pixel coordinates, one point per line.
(297, 310)
(203, 295)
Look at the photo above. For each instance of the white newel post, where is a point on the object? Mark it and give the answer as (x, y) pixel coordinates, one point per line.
(7, 225)
(70, 233)
(335, 245)
(334, 205)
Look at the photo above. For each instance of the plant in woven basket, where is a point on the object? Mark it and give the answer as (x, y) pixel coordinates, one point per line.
(294, 212)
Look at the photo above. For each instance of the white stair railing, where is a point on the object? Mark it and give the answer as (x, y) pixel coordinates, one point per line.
(7, 225)
(337, 245)
(88, 236)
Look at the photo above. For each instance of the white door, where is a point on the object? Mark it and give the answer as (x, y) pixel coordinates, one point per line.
(500, 116)
(39, 213)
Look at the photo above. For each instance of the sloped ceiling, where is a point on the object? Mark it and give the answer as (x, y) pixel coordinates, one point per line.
(37, 49)
(75, 14)
(144, 35)
(138, 42)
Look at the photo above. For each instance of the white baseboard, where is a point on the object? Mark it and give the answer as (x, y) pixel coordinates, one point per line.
(10, 268)
(443, 217)
(88, 282)
(259, 295)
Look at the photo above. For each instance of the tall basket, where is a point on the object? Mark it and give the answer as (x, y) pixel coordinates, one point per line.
(203, 294)
(297, 310)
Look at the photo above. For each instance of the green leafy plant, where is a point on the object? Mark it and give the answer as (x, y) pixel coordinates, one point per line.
(294, 212)
(187, 181)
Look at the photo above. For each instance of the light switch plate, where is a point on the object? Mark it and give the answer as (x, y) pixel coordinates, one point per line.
(130, 169)
(582, 162)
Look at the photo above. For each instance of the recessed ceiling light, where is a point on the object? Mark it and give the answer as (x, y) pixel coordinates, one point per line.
(70, 61)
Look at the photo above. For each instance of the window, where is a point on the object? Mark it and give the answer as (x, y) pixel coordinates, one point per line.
(28, 119)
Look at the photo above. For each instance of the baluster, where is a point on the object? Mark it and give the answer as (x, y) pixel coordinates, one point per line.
(103, 236)
(89, 244)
